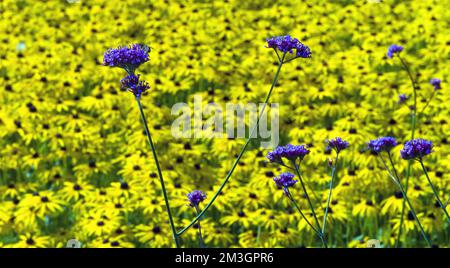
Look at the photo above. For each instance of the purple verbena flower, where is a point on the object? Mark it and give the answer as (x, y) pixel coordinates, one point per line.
(132, 83)
(195, 197)
(337, 144)
(383, 144)
(285, 180)
(291, 152)
(128, 58)
(436, 83)
(402, 98)
(393, 49)
(287, 44)
(276, 155)
(416, 149)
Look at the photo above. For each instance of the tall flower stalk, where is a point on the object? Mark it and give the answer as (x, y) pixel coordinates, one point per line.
(284, 45)
(435, 192)
(415, 150)
(386, 144)
(337, 145)
(130, 58)
(294, 154)
(320, 233)
(161, 179)
(195, 198)
(394, 50)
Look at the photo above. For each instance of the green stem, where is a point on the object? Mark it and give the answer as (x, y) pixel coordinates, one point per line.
(297, 170)
(428, 102)
(434, 190)
(275, 79)
(393, 166)
(397, 182)
(289, 195)
(413, 130)
(163, 188)
(200, 237)
(333, 175)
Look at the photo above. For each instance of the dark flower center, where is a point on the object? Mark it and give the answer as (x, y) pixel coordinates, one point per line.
(398, 195)
(124, 186)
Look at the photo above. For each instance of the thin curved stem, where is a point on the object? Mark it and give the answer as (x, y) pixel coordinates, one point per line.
(413, 130)
(333, 175)
(161, 179)
(448, 200)
(275, 79)
(413, 84)
(297, 170)
(434, 190)
(396, 180)
(397, 241)
(428, 102)
(393, 166)
(200, 237)
(289, 195)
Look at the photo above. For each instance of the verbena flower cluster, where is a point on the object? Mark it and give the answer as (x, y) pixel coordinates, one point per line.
(195, 197)
(285, 180)
(402, 98)
(416, 149)
(132, 83)
(337, 144)
(436, 83)
(383, 144)
(289, 44)
(290, 152)
(129, 57)
(74, 162)
(394, 49)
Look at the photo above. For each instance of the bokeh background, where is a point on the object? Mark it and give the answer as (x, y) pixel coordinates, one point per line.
(74, 162)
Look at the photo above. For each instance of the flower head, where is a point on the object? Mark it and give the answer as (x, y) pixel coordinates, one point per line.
(132, 83)
(291, 152)
(276, 155)
(195, 197)
(436, 83)
(383, 144)
(128, 58)
(285, 180)
(288, 44)
(402, 98)
(337, 144)
(416, 149)
(393, 49)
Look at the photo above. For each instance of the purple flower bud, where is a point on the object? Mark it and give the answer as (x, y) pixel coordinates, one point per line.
(436, 83)
(393, 49)
(330, 162)
(132, 83)
(402, 98)
(285, 180)
(195, 197)
(337, 144)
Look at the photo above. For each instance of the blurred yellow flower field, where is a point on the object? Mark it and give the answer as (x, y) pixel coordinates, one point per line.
(74, 158)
